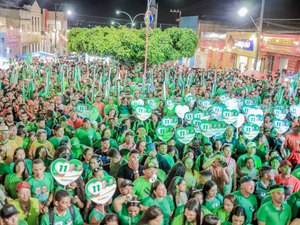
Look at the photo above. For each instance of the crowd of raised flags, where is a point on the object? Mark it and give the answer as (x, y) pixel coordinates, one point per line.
(99, 143)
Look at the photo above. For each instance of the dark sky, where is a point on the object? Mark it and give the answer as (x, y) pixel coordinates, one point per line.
(210, 9)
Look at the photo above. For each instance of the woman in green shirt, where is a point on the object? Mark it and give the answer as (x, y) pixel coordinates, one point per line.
(191, 176)
(192, 214)
(43, 154)
(237, 216)
(224, 212)
(132, 214)
(20, 155)
(58, 136)
(19, 174)
(212, 199)
(158, 196)
(152, 216)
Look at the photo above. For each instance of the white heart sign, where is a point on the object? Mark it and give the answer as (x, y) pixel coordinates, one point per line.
(181, 110)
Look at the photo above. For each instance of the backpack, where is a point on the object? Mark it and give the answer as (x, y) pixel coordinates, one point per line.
(51, 215)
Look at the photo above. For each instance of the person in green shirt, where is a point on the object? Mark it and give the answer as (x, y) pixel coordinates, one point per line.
(275, 212)
(294, 203)
(246, 198)
(19, 174)
(42, 184)
(132, 212)
(224, 212)
(192, 214)
(237, 216)
(212, 199)
(86, 134)
(158, 196)
(9, 215)
(163, 148)
(62, 212)
(28, 207)
(263, 184)
(20, 155)
(142, 185)
(58, 136)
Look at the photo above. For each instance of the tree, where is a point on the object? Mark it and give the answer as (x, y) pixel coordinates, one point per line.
(127, 44)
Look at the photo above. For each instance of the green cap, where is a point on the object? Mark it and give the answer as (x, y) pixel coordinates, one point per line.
(75, 143)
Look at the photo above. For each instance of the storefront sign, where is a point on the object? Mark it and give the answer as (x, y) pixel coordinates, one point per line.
(244, 44)
(288, 42)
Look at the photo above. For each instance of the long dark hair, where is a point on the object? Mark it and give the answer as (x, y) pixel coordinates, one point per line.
(111, 217)
(177, 170)
(154, 186)
(237, 211)
(25, 172)
(80, 190)
(172, 189)
(195, 206)
(150, 214)
(207, 186)
(210, 219)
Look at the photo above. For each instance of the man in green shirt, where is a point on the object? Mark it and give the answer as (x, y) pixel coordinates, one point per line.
(294, 203)
(86, 134)
(275, 212)
(63, 212)
(263, 184)
(41, 184)
(163, 149)
(9, 216)
(246, 198)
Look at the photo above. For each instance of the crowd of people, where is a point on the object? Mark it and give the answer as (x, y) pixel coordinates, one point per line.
(88, 112)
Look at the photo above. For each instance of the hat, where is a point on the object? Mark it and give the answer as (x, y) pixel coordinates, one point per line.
(251, 144)
(245, 179)
(126, 183)
(295, 124)
(22, 184)
(149, 165)
(285, 163)
(8, 210)
(63, 119)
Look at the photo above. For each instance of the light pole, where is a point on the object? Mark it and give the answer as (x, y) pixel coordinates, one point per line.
(130, 17)
(118, 24)
(69, 12)
(243, 12)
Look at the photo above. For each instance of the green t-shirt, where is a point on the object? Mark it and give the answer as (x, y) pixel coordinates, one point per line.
(166, 205)
(126, 219)
(296, 173)
(34, 211)
(22, 222)
(294, 203)
(141, 187)
(269, 214)
(64, 220)
(241, 161)
(215, 203)
(96, 213)
(10, 184)
(178, 220)
(86, 137)
(222, 214)
(261, 190)
(170, 160)
(28, 163)
(56, 141)
(4, 169)
(249, 204)
(41, 189)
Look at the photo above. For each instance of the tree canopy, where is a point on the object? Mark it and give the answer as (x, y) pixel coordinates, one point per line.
(128, 44)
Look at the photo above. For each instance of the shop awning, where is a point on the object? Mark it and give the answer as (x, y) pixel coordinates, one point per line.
(38, 54)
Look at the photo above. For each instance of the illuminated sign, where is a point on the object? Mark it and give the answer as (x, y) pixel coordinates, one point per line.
(244, 44)
(282, 42)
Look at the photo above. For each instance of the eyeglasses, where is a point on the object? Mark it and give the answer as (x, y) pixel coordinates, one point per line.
(98, 169)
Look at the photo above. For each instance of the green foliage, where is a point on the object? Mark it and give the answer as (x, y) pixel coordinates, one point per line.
(129, 44)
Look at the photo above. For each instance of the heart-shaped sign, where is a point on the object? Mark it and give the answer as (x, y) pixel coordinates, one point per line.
(101, 191)
(239, 121)
(247, 108)
(224, 97)
(204, 115)
(185, 134)
(87, 111)
(135, 103)
(217, 110)
(280, 112)
(164, 133)
(261, 106)
(232, 103)
(196, 124)
(212, 128)
(230, 116)
(190, 99)
(170, 104)
(205, 104)
(66, 172)
(188, 117)
(295, 110)
(250, 130)
(255, 119)
(248, 101)
(281, 126)
(181, 110)
(170, 121)
(153, 102)
(143, 112)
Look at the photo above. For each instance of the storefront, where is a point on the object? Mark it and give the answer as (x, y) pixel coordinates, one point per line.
(282, 52)
(211, 49)
(240, 50)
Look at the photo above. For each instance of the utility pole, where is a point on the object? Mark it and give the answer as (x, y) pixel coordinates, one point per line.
(176, 11)
(260, 26)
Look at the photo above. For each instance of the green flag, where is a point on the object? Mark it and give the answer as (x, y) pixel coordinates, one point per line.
(279, 95)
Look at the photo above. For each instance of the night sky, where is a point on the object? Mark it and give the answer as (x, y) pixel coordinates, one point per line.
(206, 9)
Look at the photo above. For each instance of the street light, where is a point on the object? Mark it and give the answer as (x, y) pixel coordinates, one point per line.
(69, 12)
(130, 17)
(243, 12)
